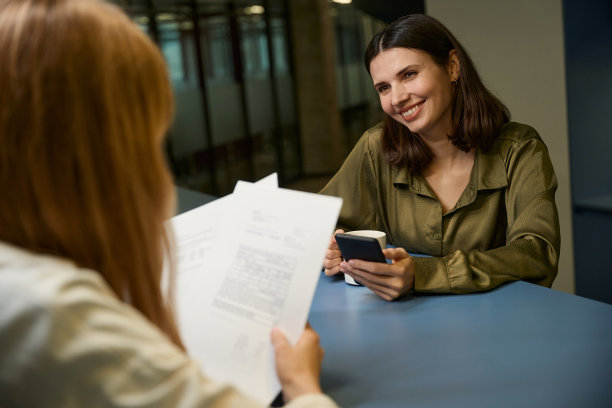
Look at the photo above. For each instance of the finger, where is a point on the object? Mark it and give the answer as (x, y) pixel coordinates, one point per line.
(310, 333)
(377, 268)
(331, 263)
(333, 271)
(385, 294)
(333, 239)
(331, 267)
(311, 337)
(387, 276)
(382, 290)
(367, 278)
(333, 254)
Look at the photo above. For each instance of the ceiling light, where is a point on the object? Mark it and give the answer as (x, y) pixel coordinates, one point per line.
(253, 10)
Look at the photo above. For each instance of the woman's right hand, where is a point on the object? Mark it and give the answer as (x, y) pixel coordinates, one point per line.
(298, 367)
(333, 257)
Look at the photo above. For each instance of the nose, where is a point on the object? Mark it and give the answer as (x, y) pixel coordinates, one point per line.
(399, 95)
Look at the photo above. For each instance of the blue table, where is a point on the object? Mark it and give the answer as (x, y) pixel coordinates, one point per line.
(520, 345)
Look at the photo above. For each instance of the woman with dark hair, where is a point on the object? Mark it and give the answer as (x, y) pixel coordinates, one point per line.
(84, 107)
(446, 174)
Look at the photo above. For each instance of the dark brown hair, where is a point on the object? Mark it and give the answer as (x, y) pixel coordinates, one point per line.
(84, 106)
(477, 115)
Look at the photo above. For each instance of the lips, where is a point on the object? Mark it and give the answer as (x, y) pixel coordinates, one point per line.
(411, 112)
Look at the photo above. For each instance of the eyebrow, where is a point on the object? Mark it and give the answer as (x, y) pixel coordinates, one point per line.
(400, 73)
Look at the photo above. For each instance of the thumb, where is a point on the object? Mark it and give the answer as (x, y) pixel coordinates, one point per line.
(395, 253)
(278, 338)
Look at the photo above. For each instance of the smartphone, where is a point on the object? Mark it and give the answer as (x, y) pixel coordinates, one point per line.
(357, 247)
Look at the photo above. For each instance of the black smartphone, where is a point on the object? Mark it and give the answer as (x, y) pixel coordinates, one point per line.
(357, 247)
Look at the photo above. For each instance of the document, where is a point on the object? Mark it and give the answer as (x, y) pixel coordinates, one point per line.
(249, 262)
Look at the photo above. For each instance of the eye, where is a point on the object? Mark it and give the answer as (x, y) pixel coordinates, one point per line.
(382, 88)
(409, 74)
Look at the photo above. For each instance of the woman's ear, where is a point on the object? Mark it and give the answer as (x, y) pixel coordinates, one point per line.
(454, 66)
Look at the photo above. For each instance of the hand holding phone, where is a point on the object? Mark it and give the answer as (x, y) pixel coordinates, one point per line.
(360, 247)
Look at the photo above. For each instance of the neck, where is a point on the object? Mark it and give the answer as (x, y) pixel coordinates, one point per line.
(446, 155)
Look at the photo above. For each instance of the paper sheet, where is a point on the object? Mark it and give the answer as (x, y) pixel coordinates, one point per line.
(249, 262)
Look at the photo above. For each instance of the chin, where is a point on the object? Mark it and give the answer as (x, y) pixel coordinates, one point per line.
(412, 128)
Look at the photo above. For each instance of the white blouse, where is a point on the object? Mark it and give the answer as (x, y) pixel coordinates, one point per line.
(66, 340)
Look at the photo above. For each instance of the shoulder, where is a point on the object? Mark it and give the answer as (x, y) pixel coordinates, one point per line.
(44, 301)
(43, 291)
(54, 316)
(371, 140)
(44, 282)
(368, 148)
(515, 132)
(375, 132)
(39, 295)
(514, 136)
(525, 157)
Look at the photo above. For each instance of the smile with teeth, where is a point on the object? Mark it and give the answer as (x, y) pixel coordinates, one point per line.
(410, 111)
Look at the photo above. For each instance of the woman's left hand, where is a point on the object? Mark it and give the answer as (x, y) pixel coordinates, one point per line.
(389, 281)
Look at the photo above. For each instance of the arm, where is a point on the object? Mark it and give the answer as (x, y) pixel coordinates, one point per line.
(532, 245)
(531, 252)
(82, 346)
(356, 184)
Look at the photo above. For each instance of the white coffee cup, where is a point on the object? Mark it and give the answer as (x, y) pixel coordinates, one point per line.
(380, 236)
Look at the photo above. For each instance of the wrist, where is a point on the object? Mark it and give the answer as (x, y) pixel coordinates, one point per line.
(291, 391)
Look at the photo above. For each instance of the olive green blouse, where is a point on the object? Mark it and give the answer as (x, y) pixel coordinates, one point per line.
(504, 227)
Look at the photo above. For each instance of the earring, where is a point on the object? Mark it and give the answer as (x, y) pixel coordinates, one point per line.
(454, 83)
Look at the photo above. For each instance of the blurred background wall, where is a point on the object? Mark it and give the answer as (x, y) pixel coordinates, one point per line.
(588, 56)
(519, 51)
(262, 86)
(279, 85)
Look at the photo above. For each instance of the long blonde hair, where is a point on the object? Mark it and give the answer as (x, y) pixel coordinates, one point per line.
(84, 103)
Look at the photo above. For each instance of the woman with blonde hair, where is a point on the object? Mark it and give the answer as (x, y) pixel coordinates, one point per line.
(84, 106)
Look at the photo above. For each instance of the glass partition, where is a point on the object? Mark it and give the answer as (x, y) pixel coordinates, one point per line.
(231, 75)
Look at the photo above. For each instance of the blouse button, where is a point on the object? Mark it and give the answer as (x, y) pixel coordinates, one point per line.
(436, 236)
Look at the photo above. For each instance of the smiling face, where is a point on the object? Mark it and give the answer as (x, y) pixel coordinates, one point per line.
(415, 91)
